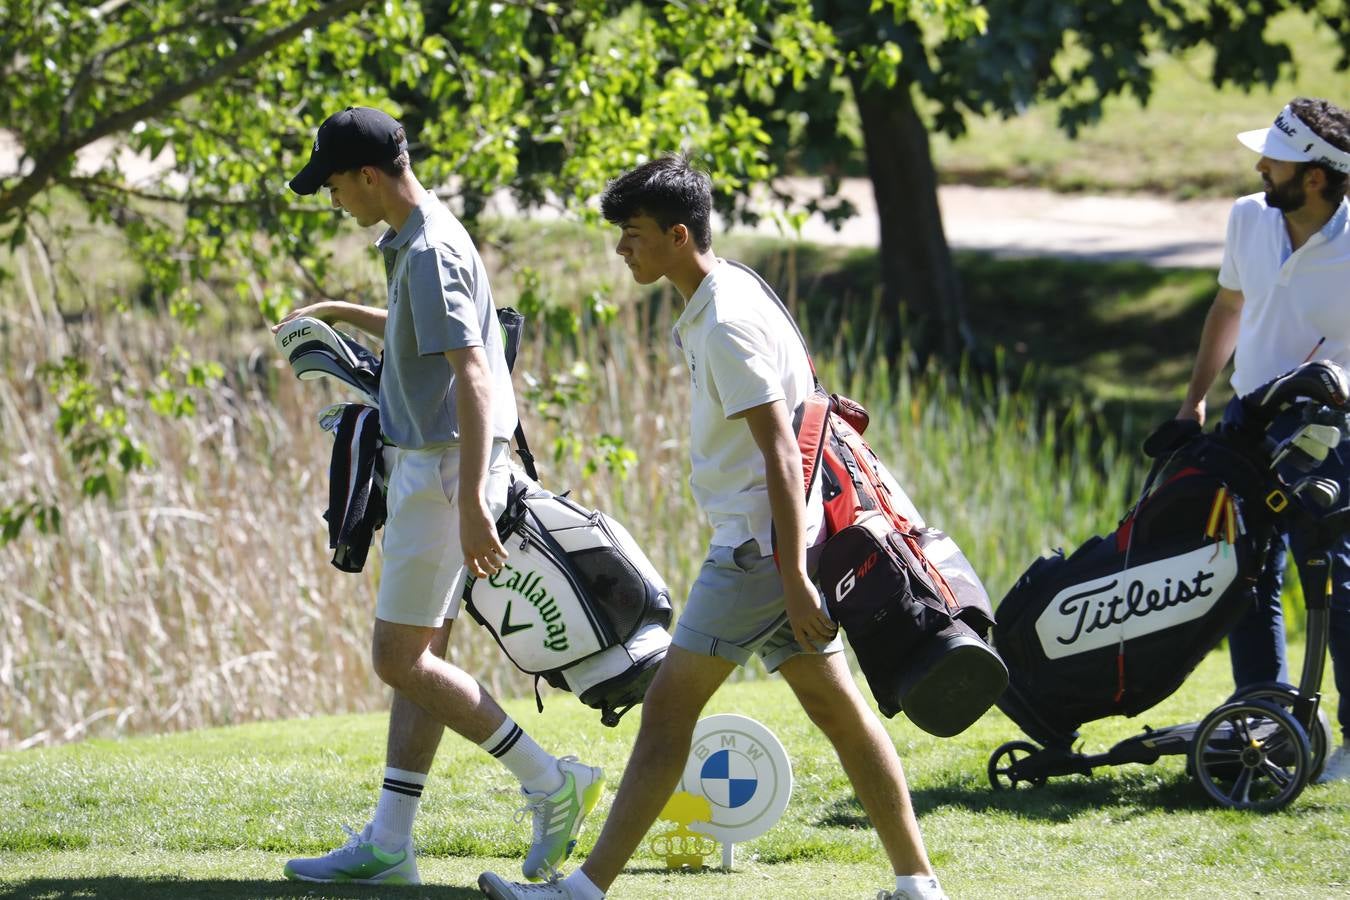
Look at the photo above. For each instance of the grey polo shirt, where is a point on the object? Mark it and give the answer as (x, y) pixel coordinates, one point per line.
(439, 300)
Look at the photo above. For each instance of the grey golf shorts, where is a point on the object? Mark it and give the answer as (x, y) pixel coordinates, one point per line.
(735, 610)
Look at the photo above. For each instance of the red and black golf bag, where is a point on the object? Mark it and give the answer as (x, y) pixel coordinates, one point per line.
(914, 611)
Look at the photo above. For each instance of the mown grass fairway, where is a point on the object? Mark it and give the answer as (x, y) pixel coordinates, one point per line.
(216, 813)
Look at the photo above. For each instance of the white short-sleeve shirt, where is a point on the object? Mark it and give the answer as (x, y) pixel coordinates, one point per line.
(742, 351)
(1296, 304)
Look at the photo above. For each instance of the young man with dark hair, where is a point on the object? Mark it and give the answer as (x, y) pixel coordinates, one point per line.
(447, 409)
(1284, 298)
(748, 371)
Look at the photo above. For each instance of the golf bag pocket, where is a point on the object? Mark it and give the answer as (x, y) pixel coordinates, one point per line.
(972, 600)
(616, 679)
(577, 602)
(915, 650)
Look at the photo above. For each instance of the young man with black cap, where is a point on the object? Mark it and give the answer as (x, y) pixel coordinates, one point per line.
(748, 371)
(448, 409)
(1284, 298)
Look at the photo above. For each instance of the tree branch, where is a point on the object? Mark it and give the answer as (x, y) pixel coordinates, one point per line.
(50, 160)
(95, 63)
(110, 8)
(92, 183)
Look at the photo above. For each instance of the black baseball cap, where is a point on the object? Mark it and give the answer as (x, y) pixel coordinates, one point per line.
(358, 136)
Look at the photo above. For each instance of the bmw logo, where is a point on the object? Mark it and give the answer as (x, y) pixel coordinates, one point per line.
(743, 771)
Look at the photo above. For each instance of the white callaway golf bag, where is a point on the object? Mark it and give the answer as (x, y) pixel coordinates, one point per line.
(577, 603)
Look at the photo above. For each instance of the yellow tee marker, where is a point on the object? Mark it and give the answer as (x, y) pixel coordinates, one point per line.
(679, 845)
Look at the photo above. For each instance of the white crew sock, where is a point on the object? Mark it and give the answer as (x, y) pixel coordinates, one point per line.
(535, 767)
(582, 888)
(919, 887)
(399, 798)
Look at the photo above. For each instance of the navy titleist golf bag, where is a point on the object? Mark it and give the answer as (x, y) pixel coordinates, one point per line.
(1116, 626)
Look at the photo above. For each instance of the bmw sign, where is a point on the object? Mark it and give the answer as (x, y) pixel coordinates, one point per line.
(743, 771)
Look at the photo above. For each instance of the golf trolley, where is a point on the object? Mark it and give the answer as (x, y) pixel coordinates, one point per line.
(1116, 627)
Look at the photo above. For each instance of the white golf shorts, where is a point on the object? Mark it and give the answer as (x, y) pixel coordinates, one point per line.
(422, 574)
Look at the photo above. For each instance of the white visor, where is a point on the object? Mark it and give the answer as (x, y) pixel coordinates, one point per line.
(1290, 140)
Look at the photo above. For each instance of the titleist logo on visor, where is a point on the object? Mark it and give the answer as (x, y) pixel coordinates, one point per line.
(1299, 137)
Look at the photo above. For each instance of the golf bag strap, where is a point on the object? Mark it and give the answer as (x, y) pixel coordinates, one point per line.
(512, 323)
(811, 423)
(812, 428)
(814, 414)
(782, 306)
(523, 451)
(849, 410)
(1125, 528)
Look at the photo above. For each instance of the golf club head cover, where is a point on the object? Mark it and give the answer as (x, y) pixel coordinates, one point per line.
(314, 349)
(851, 411)
(1321, 381)
(1169, 436)
(305, 332)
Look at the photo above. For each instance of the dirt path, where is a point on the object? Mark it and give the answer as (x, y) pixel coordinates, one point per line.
(1027, 222)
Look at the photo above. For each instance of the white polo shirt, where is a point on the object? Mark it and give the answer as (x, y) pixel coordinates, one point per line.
(742, 351)
(1292, 300)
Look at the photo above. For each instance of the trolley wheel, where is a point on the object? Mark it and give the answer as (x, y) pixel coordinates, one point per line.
(1320, 738)
(1251, 754)
(1003, 764)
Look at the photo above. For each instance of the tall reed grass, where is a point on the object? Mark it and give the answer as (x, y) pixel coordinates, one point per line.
(203, 594)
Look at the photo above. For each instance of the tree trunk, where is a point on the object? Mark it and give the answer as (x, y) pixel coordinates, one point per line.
(916, 263)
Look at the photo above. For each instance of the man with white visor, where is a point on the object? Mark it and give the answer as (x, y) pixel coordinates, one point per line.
(1284, 299)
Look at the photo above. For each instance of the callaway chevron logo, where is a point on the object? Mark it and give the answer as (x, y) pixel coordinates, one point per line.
(530, 586)
(509, 627)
